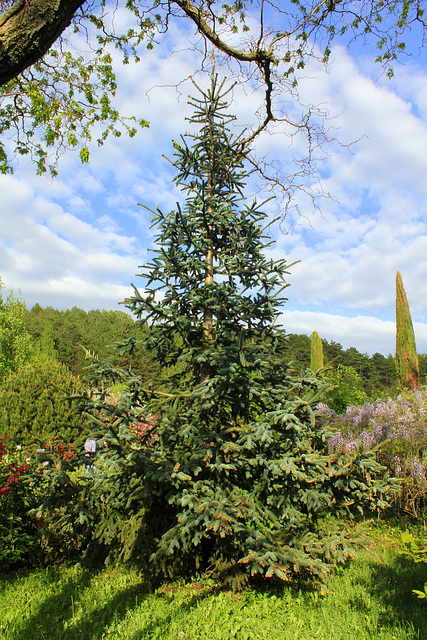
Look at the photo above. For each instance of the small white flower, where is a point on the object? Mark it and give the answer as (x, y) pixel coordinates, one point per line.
(18, 447)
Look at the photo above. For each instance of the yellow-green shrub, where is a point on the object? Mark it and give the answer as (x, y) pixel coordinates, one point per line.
(35, 405)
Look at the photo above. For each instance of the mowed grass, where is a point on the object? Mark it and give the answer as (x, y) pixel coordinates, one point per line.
(370, 598)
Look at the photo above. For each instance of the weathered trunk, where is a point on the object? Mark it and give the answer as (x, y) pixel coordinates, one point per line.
(27, 30)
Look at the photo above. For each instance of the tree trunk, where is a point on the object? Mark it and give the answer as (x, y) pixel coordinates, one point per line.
(27, 30)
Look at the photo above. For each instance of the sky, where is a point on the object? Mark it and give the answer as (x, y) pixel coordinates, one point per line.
(79, 240)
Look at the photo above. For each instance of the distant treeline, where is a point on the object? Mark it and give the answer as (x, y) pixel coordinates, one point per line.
(98, 331)
(75, 330)
(378, 373)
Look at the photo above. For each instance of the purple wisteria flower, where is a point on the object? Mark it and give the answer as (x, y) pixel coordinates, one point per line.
(402, 422)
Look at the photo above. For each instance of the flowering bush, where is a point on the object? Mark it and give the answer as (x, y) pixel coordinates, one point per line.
(398, 429)
(25, 539)
(15, 539)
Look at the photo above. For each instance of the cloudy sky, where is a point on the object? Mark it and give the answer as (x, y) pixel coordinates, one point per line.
(79, 239)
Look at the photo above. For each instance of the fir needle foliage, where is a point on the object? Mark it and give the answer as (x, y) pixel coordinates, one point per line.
(406, 351)
(234, 475)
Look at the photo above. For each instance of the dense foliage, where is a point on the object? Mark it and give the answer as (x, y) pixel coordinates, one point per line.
(36, 405)
(99, 331)
(232, 474)
(378, 373)
(397, 429)
(76, 330)
(27, 540)
(16, 539)
(15, 341)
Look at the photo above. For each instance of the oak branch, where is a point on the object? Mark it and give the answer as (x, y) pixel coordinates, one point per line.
(27, 29)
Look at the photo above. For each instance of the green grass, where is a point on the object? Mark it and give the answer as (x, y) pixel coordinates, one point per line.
(371, 598)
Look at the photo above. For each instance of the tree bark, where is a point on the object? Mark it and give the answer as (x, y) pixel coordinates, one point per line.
(27, 30)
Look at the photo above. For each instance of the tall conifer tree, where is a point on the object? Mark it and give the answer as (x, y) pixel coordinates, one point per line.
(316, 359)
(235, 474)
(406, 351)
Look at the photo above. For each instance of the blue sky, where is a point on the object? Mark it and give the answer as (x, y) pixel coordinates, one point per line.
(78, 240)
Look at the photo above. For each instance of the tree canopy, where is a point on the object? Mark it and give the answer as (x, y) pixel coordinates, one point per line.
(54, 97)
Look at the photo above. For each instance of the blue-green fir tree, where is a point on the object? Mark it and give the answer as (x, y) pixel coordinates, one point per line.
(235, 476)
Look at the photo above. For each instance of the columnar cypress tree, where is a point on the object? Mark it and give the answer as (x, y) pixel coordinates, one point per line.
(235, 474)
(316, 360)
(406, 351)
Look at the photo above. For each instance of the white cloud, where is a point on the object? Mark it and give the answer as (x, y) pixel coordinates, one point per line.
(79, 240)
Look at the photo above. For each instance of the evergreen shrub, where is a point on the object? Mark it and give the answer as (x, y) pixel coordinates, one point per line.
(36, 406)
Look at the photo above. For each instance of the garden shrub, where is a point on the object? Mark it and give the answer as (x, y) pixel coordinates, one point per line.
(27, 540)
(397, 429)
(35, 405)
(16, 541)
(346, 388)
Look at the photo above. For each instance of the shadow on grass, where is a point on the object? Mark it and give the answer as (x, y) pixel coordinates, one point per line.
(391, 585)
(54, 619)
(162, 621)
(48, 620)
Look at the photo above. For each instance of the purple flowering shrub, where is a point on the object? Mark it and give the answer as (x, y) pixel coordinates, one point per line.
(397, 430)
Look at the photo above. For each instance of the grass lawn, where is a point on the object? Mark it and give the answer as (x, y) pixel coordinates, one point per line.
(371, 598)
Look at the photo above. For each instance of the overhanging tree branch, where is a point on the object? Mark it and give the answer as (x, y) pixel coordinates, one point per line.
(28, 29)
